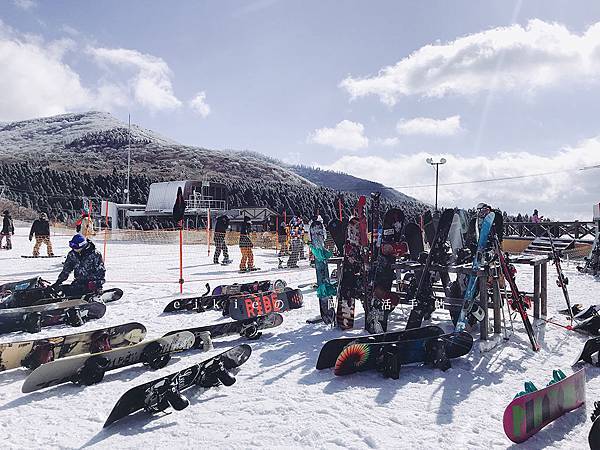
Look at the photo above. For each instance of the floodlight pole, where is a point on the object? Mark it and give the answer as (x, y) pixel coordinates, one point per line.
(437, 164)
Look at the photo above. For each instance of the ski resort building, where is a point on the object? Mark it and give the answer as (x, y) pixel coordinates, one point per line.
(201, 198)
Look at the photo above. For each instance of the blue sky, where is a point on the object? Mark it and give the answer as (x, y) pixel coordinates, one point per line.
(499, 88)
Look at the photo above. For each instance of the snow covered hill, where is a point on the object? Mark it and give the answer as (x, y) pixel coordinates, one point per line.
(280, 400)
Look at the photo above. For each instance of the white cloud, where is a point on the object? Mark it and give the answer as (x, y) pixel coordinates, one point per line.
(427, 126)
(346, 135)
(562, 195)
(387, 142)
(34, 80)
(37, 80)
(522, 58)
(25, 4)
(151, 81)
(199, 105)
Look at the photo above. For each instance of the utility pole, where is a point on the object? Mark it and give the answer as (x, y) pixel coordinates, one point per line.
(437, 164)
(128, 155)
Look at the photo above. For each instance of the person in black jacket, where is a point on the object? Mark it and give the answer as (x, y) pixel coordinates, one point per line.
(282, 235)
(8, 229)
(221, 227)
(87, 266)
(246, 246)
(41, 230)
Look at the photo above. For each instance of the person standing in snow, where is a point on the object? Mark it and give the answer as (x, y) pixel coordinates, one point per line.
(301, 232)
(87, 266)
(41, 230)
(282, 239)
(84, 225)
(8, 230)
(247, 261)
(221, 227)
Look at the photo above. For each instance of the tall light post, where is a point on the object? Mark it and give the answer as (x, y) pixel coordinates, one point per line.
(437, 163)
(128, 156)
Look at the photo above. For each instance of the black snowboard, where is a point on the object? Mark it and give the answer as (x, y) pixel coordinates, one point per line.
(332, 349)
(249, 328)
(438, 254)
(255, 286)
(590, 326)
(594, 436)
(590, 352)
(46, 295)
(32, 319)
(158, 395)
(414, 239)
(22, 285)
(384, 275)
(337, 230)
(389, 357)
(247, 306)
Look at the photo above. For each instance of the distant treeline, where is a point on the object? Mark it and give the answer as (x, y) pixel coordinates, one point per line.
(61, 194)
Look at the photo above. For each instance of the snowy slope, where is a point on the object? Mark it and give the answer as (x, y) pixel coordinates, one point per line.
(280, 400)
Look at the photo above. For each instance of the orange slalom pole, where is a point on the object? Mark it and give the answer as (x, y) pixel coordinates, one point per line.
(276, 232)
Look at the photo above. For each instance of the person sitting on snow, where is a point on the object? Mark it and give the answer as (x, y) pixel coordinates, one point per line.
(87, 266)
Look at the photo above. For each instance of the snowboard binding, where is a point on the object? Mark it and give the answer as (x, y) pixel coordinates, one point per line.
(74, 317)
(215, 374)
(153, 356)
(39, 354)
(389, 362)
(32, 322)
(100, 342)
(436, 356)
(159, 398)
(251, 332)
(92, 371)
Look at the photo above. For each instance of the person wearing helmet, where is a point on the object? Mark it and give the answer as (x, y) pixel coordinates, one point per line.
(41, 230)
(7, 230)
(87, 266)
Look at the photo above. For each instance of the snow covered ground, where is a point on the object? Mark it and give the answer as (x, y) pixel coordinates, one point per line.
(280, 400)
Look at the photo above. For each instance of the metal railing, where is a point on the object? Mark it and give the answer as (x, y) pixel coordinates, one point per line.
(581, 231)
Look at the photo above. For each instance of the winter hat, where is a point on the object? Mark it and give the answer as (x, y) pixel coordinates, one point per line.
(77, 242)
(5, 212)
(43, 215)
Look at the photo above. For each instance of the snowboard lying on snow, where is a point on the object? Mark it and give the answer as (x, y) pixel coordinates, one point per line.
(529, 413)
(45, 295)
(33, 318)
(158, 395)
(32, 354)
(255, 286)
(389, 357)
(249, 328)
(247, 306)
(90, 369)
